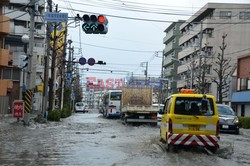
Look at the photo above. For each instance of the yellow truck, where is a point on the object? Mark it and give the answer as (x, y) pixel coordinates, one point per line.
(190, 119)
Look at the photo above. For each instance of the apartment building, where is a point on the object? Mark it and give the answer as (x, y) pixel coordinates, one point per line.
(213, 20)
(5, 84)
(170, 55)
(17, 11)
(241, 98)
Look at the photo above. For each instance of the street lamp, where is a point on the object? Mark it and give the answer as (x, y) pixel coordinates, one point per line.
(25, 40)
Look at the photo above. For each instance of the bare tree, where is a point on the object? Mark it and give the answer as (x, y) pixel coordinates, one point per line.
(223, 72)
(203, 70)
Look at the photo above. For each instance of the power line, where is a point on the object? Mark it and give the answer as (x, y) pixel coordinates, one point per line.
(119, 6)
(119, 49)
(237, 51)
(152, 20)
(115, 7)
(13, 18)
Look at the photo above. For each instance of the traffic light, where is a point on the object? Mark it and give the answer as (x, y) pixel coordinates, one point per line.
(95, 24)
(23, 61)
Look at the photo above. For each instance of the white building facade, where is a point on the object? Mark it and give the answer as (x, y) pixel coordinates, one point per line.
(213, 20)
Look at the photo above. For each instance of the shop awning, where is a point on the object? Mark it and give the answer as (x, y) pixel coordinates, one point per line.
(241, 97)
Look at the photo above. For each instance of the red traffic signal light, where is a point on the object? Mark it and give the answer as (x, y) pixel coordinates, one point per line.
(101, 19)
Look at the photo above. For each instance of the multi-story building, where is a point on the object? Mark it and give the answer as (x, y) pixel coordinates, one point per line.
(170, 55)
(5, 84)
(213, 20)
(17, 11)
(241, 98)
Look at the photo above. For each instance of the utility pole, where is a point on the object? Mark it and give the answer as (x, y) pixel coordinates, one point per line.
(53, 66)
(63, 70)
(28, 97)
(46, 67)
(200, 57)
(69, 69)
(162, 88)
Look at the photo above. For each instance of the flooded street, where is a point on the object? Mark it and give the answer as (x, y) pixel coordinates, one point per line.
(89, 139)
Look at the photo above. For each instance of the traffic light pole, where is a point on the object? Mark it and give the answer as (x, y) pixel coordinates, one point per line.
(30, 55)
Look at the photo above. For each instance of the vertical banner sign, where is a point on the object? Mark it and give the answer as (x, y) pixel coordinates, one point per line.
(18, 108)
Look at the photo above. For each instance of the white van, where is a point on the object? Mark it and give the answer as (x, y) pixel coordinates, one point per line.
(80, 107)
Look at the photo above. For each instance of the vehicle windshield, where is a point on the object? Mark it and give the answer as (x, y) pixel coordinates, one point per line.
(225, 110)
(193, 106)
(115, 96)
(79, 104)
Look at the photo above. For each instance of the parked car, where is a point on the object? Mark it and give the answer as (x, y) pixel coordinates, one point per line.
(80, 107)
(229, 122)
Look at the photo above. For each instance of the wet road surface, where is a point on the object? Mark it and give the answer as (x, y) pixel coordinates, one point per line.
(89, 139)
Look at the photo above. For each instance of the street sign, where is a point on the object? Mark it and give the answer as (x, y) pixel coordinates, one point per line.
(69, 75)
(56, 17)
(18, 108)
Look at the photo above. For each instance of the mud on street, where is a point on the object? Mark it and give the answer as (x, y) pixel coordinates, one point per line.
(89, 139)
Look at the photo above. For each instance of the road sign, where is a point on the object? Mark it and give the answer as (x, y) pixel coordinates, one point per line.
(69, 75)
(18, 108)
(56, 17)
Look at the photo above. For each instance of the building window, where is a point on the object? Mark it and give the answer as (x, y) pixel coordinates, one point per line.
(245, 15)
(20, 23)
(16, 75)
(7, 74)
(38, 25)
(248, 84)
(225, 14)
(243, 84)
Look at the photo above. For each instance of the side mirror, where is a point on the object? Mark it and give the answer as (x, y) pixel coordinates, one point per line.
(161, 111)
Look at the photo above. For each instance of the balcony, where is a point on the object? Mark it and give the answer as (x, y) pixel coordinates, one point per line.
(4, 57)
(168, 73)
(181, 83)
(185, 52)
(168, 36)
(168, 48)
(4, 25)
(195, 31)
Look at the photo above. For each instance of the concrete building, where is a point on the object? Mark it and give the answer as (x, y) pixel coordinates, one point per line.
(170, 55)
(17, 11)
(5, 84)
(213, 20)
(241, 98)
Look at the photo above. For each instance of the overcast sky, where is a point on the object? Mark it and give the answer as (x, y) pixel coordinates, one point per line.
(128, 42)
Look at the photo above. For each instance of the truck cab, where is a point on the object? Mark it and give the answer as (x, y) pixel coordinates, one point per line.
(190, 119)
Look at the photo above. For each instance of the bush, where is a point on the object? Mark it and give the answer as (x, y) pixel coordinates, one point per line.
(54, 115)
(65, 112)
(244, 122)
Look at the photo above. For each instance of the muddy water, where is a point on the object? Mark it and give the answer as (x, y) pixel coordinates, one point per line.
(88, 139)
